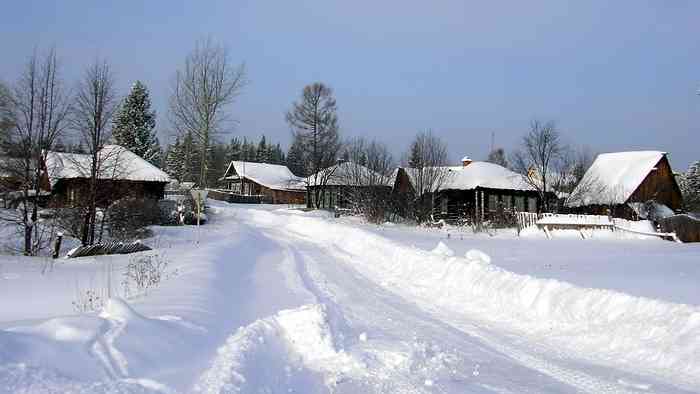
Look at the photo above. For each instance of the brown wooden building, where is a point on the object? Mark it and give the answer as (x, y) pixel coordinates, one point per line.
(473, 192)
(618, 182)
(272, 183)
(343, 184)
(121, 173)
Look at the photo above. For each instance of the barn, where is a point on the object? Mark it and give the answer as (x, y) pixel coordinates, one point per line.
(618, 183)
(476, 191)
(274, 183)
(120, 173)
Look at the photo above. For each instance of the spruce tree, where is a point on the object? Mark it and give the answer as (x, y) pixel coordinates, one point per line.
(691, 187)
(174, 160)
(134, 124)
(262, 151)
(234, 150)
(415, 158)
(295, 158)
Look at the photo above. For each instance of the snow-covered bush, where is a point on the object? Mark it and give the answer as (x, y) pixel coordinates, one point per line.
(145, 272)
(128, 218)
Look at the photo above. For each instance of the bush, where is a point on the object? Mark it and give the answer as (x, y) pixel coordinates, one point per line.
(145, 272)
(128, 218)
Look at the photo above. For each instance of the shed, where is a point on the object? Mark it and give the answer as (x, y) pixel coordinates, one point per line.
(274, 183)
(616, 182)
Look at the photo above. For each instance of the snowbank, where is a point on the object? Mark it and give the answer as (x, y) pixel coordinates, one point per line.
(292, 350)
(641, 334)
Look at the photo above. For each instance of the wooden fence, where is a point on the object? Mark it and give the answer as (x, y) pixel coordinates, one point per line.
(525, 220)
(686, 227)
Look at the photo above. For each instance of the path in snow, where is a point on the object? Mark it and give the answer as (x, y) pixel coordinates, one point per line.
(397, 345)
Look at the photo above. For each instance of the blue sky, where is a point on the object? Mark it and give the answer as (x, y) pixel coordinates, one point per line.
(619, 75)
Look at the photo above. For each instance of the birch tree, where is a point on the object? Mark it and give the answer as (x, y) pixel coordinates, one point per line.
(34, 114)
(95, 103)
(203, 89)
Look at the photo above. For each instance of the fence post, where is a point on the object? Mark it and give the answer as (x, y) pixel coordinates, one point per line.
(57, 246)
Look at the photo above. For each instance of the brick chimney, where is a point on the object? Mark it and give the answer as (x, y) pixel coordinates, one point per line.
(466, 161)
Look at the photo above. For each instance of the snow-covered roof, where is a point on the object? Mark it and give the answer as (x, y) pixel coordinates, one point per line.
(349, 174)
(115, 162)
(272, 176)
(613, 177)
(482, 174)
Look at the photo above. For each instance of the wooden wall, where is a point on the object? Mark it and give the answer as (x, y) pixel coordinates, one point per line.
(72, 192)
(659, 185)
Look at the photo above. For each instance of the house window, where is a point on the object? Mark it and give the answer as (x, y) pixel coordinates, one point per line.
(532, 204)
(71, 195)
(443, 205)
(236, 187)
(507, 203)
(520, 203)
(493, 202)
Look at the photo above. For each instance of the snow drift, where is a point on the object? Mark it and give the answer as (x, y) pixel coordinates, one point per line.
(292, 350)
(636, 333)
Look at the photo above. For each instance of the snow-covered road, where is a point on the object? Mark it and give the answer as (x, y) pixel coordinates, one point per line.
(278, 301)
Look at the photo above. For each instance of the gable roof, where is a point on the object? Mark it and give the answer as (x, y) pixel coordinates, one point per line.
(349, 174)
(272, 176)
(613, 177)
(115, 162)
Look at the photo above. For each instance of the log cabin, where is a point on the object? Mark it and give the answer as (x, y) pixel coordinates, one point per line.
(273, 183)
(120, 173)
(473, 192)
(337, 186)
(619, 183)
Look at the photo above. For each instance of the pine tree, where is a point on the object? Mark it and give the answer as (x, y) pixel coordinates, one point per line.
(691, 187)
(134, 124)
(191, 159)
(234, 150)
(295, 158)
(415, 159)
(174, 160)
(261, 152)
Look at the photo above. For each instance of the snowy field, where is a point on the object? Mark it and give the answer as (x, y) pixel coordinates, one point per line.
(271, 300)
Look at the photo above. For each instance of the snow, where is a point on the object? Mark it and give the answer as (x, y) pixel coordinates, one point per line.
(474, 175)
(115, 162)
(613, 177)
(272, 176)
(276, 300)
(485, 175)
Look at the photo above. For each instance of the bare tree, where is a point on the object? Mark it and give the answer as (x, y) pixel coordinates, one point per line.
(541, 152)
(428, 172)
(367, 173)
(204, 87)
(34, 115)
(95, 104)
(314, 124)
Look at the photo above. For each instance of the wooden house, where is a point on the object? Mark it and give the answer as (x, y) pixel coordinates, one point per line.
(120, 173)
(273, 183)
(619, 183)
(474, 192)
(337, 186)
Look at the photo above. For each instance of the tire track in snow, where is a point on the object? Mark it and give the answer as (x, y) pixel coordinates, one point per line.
(579, 380)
